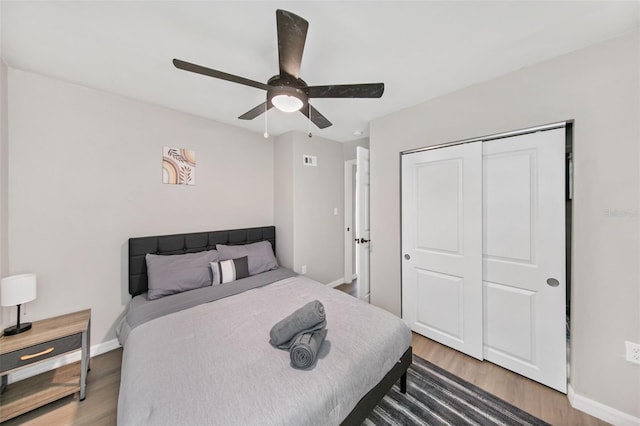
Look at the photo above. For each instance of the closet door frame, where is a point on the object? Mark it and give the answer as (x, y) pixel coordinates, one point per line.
(564, 125)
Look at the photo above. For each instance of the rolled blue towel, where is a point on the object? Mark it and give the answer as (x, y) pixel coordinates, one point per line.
(304, 349)
(306, 318)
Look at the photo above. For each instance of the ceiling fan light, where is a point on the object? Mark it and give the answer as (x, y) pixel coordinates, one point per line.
(287, 103)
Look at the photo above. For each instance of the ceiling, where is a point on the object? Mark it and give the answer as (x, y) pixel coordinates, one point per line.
(419, 49)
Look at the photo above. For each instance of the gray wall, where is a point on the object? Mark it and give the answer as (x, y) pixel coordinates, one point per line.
(4, 185)
(283, 197)
(314, 192)
(85, 176)
(598, 87)
(349, 148)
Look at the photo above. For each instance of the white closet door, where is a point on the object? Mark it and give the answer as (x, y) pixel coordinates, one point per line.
(524, 255)
(442, 245)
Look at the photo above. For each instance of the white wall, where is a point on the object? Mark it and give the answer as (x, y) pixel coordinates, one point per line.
(4, 186)
(598, 87)
(85, 175)
(314, 192)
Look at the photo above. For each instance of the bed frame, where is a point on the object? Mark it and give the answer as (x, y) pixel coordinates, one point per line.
(187, 243)
(201, 241)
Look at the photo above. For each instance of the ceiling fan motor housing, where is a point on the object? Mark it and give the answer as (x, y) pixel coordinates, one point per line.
(287, 93)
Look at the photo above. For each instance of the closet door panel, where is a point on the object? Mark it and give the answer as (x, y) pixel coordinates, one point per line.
(508, 313)
(441, 303)
(442, 246)
(439, 223)
(523, 247)
(509, 206)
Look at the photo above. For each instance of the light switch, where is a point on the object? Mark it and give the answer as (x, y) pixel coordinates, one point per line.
(335, 211)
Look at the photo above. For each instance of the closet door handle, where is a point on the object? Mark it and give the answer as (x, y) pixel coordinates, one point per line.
(406, 256)
(552, 282)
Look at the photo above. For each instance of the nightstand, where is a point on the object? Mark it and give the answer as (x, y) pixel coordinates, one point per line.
(47, 339)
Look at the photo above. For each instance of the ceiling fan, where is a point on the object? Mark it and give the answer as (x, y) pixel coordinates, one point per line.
(287, 91)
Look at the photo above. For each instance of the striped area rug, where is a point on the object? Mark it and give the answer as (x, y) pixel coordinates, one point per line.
(436, 397)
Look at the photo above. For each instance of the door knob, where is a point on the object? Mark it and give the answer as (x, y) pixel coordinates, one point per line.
(362, 240)
(552, 282)
(406, 256)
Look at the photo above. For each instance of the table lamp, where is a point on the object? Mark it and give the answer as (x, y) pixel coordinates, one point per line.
(16, 290)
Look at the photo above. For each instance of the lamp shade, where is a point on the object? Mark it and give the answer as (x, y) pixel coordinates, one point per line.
(286, 98)
(287, 103)
(17, 289)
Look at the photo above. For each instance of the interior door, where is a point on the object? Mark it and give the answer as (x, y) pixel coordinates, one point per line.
(524, 255)
(362, 221)
(442, 245)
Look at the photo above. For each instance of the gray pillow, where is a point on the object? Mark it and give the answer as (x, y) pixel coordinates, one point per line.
(260, 255)
(177, 273)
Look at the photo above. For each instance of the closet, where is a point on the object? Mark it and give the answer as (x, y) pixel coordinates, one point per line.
(483, 249)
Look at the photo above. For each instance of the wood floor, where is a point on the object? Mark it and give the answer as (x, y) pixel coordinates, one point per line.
(99, 407)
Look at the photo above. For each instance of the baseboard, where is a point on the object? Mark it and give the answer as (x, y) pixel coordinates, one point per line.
(336, 283)
(601, 411)
(54, 363)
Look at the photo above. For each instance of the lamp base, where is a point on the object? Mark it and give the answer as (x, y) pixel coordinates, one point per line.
(15, 329)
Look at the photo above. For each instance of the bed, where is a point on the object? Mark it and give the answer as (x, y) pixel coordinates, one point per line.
(203, 356)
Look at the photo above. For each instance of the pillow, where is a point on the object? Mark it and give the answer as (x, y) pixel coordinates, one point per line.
(260, 255)
(226, 271)
(177, 273)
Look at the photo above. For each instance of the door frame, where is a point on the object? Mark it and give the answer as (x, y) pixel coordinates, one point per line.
(350, 270)
(568, 126)
(362, 223)
(551, 126)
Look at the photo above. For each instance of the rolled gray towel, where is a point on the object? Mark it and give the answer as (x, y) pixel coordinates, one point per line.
(304, 349)
(303, 319)
(287, 345)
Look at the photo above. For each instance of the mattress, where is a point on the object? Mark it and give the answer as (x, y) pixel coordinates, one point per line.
(212, 364)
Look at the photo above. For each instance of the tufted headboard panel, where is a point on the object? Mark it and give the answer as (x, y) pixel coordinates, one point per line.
(187, 243)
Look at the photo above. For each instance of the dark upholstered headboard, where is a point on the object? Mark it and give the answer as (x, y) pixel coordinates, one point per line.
(187, 243)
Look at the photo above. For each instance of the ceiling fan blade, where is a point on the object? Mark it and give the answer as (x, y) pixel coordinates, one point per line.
(187, 66)
(292, 34)
(253, 113)
(317, 118)
(370, 90)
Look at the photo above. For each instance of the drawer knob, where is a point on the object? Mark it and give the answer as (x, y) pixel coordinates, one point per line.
(27, 357)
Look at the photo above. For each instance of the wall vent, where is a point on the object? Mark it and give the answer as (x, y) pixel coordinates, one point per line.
(310, 160)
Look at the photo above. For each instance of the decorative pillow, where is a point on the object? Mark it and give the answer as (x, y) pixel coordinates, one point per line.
(170, 274)
(260, 255)
(226, 271)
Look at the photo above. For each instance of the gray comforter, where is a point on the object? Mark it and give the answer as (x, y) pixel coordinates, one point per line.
(212, 364)
(141, 310)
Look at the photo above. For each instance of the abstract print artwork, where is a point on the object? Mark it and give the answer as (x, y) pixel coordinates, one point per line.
(178, 166)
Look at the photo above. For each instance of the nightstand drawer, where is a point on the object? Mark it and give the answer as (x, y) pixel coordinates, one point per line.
(39, 352)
